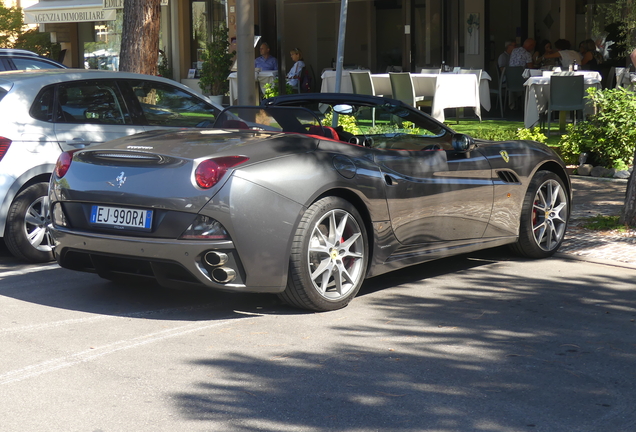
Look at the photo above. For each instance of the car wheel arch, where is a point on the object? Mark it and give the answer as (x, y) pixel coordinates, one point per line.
(559, 171)
(40, 174)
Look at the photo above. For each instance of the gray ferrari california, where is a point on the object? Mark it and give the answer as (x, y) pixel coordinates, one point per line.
(304, 196)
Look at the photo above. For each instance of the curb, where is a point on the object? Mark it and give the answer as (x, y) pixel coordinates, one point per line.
(601, 261)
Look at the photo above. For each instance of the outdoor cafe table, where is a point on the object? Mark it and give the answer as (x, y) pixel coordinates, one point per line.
(261, 78)
(451, 90)
(538, 95)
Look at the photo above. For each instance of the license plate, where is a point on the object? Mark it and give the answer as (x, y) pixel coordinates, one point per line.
(121, 218)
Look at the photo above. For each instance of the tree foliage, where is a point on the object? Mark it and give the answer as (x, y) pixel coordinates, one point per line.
(38, 42)
(10, 25)
(140, 37)
(622, 15)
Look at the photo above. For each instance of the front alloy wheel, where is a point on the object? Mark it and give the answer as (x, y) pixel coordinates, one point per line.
(544, 216)
(329, 257)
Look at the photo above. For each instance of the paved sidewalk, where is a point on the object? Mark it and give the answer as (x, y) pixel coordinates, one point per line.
(592, 197)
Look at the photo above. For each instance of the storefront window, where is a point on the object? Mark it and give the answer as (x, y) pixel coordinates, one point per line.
(206, 15)
(103, 53)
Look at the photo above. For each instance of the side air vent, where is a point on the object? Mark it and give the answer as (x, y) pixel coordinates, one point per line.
(508, 177)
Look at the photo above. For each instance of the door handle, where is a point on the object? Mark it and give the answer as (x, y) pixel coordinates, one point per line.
(389, 180)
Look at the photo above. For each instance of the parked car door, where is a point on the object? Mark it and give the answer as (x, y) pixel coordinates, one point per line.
(90, 112)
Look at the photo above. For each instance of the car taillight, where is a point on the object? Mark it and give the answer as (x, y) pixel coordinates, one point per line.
(210, 171)
(4, 146)
(63, 164)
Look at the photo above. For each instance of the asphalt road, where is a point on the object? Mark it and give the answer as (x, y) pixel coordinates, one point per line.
(482, 342)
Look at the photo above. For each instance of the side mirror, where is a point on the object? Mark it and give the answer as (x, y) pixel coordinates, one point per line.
(463, 143)
(343, 109)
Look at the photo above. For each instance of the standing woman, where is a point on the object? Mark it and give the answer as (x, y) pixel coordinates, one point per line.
(294, 74)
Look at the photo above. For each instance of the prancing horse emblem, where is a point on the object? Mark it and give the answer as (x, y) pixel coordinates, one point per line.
(503, 153)
(120, 180)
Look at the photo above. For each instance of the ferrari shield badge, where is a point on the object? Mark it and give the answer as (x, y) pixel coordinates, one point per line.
(504, 155)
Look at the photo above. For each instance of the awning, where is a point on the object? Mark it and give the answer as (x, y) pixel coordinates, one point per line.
(67, 11)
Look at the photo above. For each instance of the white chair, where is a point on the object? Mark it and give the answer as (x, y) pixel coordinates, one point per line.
(403, 90)
(362, 83)
(430, 70)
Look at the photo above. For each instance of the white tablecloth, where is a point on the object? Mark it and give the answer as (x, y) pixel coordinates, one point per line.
(451, 91)
(260, 78)
(527, 73)
(538, 96)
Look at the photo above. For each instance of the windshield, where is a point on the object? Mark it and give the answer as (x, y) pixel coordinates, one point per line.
(277, 119)
(383, 125)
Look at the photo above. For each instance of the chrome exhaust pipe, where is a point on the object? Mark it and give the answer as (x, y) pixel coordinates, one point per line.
(223, 275)
(215, 259)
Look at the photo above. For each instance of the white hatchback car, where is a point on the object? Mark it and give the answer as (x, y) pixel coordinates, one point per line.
(43, 113)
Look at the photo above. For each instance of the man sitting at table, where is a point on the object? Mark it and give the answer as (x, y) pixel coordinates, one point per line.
(504, 57)
(265, 62)
(522, 56)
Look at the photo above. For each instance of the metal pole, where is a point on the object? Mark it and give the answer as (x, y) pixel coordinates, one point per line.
(245, 52)
(280, 53)
(340, 57)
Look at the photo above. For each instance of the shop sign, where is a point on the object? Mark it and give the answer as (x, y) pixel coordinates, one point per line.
(68, 15)
(119, 4)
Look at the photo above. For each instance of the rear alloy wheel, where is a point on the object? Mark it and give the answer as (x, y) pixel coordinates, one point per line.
(544, 216)
(26, 235)
(328, 260)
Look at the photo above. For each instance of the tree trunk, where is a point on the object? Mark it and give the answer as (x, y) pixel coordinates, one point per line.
(140, 37)
(629, 211)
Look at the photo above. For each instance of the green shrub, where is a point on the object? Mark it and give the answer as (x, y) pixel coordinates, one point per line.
(608, 136)
(495, 133)
(217, 62)
(271, 89)
(532, 134)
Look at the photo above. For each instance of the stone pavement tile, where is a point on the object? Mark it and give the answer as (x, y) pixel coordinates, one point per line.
(594, 197)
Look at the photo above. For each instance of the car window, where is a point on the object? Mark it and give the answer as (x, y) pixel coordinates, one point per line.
(42, 108)
(22, 63)
(96, 102)
(165, 105)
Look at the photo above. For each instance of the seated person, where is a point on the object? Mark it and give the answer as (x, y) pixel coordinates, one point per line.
(565, 54)
(265, 62)
(294, 74)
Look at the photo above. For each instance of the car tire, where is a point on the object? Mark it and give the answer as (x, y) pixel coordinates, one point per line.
(544, 216)
(26, 234)
(329, 255)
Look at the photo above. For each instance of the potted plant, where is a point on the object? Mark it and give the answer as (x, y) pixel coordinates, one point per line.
(217, 62)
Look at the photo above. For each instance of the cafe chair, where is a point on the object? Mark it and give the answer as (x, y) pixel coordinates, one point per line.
(567, 93)
(430, 71)
(403, 90)
(498, 91)
(514, 82)
(362, 83)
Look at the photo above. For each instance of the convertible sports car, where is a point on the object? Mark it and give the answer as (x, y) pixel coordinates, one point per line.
(305, 196)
